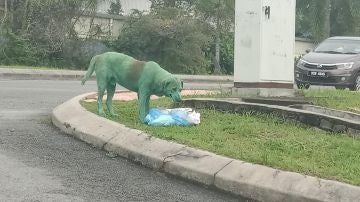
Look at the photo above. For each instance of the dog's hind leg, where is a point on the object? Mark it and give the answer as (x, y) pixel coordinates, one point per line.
(110, 89)
(101, 92)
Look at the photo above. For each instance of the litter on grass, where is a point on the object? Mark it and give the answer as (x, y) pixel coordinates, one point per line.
(172, 117)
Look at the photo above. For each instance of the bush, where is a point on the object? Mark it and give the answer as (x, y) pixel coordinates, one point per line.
(41, 33)
(77, 53)
(176, 43)
(227, 53)
(17, 49)
(73, 54)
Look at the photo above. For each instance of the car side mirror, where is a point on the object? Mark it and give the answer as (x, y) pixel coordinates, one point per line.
(308, 50)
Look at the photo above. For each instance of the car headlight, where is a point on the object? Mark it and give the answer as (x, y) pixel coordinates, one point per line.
(348, 65)
(301, 62)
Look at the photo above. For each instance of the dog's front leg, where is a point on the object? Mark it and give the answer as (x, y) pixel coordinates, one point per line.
(144, 101)
(101, 92)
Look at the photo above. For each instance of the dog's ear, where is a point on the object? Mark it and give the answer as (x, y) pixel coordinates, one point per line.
(165, 84)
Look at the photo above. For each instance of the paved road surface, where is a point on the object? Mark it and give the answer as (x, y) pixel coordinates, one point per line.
(40, 163)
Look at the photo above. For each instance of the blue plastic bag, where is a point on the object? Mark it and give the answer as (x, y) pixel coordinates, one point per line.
(170, 117)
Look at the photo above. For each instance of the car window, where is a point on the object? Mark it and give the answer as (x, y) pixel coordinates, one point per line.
(339, 46)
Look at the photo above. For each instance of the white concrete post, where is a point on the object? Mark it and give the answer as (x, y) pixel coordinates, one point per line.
(264, 45)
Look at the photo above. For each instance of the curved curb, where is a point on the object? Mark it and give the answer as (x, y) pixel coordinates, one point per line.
(248, 180)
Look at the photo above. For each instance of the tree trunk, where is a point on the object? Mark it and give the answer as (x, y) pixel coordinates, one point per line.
(216, 61)
(6, 7)
(217, 69)
(11, 11)
(5, 12)
(25, 18)
(327, 18)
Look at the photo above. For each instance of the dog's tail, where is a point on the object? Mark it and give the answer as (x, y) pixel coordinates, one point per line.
(90, 71)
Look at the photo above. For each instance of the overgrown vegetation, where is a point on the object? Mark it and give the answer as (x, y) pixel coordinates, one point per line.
(185, 36)
(42, 33)
(176, 41)
(259, 138)
(192, 37)
(319, 19)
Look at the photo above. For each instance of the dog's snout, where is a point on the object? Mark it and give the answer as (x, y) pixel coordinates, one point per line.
(176, 97)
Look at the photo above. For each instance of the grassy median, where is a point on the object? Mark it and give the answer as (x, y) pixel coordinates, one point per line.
(262, 138)
(337, 99)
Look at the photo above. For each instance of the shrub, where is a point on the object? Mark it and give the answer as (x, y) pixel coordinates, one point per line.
(176, 42)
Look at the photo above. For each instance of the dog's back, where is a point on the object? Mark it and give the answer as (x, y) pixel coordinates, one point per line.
(112, 67)
(107, 64)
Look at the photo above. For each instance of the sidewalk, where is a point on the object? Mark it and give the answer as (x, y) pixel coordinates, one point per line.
(37, 74)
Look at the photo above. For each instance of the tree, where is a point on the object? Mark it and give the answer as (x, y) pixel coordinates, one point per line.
(5, 12)
(220, 14)
(116, 8)
(319, 19)
(303, 22)
(41, 27)
(345, 17)
(179, 4)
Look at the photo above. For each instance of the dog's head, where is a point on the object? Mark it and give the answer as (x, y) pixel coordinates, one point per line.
(172, 87)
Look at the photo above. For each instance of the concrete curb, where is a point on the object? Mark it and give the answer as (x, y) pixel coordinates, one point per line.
(348, 122)
(248, 180)
(32, 74)
(37, 74)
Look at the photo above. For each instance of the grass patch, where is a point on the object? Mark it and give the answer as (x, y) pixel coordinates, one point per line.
(336, 99)
(258, 138)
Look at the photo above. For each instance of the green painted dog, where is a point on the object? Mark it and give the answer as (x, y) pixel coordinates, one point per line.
(145, 78)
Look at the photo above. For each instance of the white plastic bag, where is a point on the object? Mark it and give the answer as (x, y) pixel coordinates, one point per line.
(169, 117)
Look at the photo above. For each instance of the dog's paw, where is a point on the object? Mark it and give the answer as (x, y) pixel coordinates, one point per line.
(102, 114)
(114, 115)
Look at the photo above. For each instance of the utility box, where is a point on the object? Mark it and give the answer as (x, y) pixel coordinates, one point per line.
(264, 44)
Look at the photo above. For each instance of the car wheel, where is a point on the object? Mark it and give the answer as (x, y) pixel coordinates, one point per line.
(356, 85)
(340, 87)
(302, 85)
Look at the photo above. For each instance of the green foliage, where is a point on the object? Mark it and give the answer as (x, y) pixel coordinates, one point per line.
(213, 10)
(220, 15)
(174, 41)
(303, 22)
(179, 34)
(38, 32)
(179, 4)
(318, 19)
(345, 17)
(116, 8)
(227, 53)
(17, 49)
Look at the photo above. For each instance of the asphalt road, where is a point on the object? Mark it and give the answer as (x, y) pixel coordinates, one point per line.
(40, 163)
